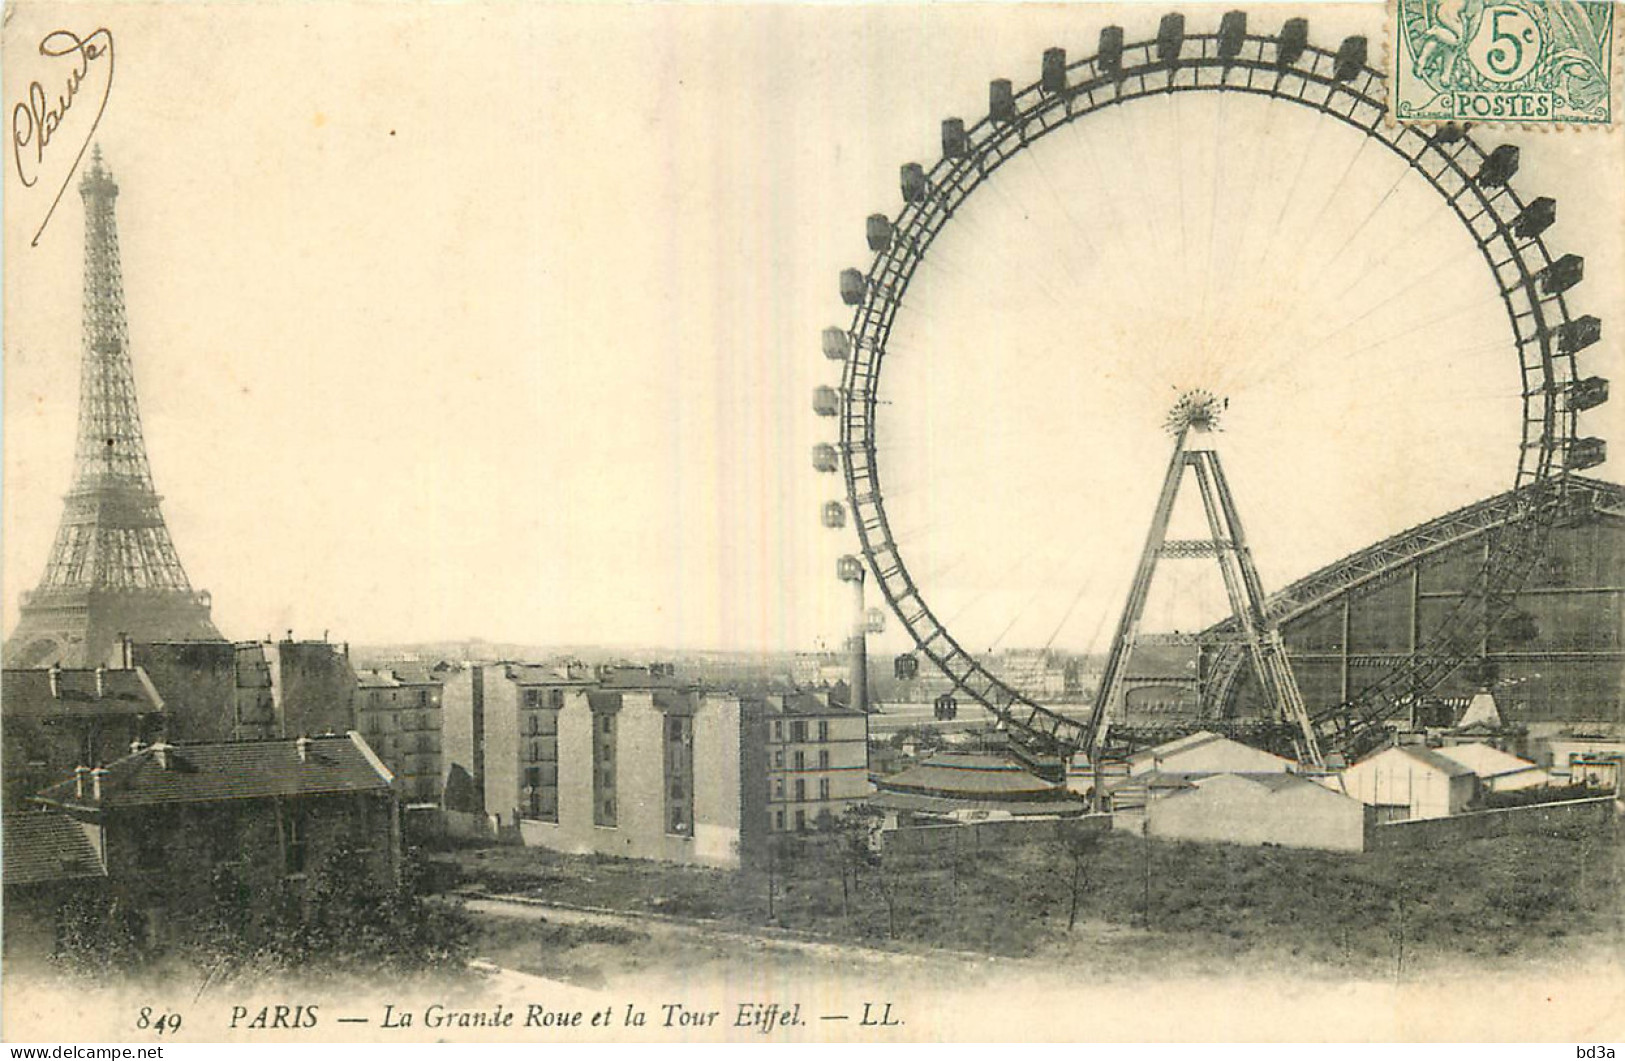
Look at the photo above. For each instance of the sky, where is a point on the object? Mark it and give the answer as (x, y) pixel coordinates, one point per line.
(502, 322)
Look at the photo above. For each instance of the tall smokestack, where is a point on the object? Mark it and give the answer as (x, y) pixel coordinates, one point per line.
(859, 647)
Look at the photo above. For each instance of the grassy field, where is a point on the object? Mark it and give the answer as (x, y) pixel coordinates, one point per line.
(1141, 905)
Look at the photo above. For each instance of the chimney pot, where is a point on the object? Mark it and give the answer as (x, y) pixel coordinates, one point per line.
(303, 745)
(79, 775)
(55, 675)
(161, 754)
(136, 747)
(101, 682)
(96, 777)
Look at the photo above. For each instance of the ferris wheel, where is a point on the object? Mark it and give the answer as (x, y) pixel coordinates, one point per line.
(1282, 71)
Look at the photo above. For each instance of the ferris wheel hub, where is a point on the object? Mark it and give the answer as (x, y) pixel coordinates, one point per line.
(1196, 410)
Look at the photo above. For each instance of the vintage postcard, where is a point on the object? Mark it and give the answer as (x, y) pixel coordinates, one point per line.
(812, 523)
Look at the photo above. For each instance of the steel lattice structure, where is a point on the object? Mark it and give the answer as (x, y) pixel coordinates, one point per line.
(113, 568)
(1474, 181)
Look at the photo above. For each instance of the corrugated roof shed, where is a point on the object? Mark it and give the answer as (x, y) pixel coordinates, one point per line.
(43, 847)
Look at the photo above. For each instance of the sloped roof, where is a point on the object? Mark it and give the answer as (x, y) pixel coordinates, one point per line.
(541, 674)
(920, 803)
(1426, 756)
(1178, 744)
(973, 776)
(42, 847)
(27, 692)
(1484, 760)
(203, 773)
(376, 679)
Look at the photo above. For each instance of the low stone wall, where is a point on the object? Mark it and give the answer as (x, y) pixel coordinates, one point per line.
(973, 836)
(1508, 821)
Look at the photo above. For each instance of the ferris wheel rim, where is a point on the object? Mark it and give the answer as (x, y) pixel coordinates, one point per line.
(1342, 86)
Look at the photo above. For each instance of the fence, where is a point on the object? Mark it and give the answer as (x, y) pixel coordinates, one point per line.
(1505, 821)
(973, 836)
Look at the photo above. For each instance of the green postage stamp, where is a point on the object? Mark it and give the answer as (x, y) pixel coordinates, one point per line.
(1531, 62)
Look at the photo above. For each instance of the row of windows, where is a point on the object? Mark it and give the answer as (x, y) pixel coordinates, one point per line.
(777, 788)
(554, 698)
(798, 760)
(375, 697)
(798, 730)
(383, 721)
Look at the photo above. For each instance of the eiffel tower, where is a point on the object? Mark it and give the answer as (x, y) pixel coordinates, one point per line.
(113, 570)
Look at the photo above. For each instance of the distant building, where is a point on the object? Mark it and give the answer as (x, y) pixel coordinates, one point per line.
(634, 761)
(572, 763)
(1409, 782)
(1496, 770)
(1274, 808)
(168, 820)
(252, 690)
(1556, 655)
(817, 752)
(398, 712)
(56, 719)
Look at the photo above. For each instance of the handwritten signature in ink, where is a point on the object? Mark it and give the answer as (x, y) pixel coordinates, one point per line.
(36, 120)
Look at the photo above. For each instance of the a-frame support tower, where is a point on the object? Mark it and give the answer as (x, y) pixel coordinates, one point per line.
(1192, 422)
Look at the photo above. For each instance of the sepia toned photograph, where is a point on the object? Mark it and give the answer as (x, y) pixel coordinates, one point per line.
(784, 522)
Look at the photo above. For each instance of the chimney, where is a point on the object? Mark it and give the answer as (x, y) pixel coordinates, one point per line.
(303, 745)
(128, 651)
(79, 775)
(55, 675)
(161, 754)
(101, 682)
(136, 747)
(97, 776)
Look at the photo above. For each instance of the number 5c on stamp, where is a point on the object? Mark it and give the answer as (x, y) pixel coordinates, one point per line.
(1525, 62)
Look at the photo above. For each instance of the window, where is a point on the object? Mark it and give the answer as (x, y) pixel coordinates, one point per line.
(801, 760)
(294, 840)
(778, 759)
(823, 729)
(823, 759)
(801, 788)
(555, 698)
(778, 820)
(801, 821)
(533, 697)
(603, 761)
(778, 788)
(823, 788)
(778, 731)
(798, 731)
(423, 698)
(535, 724)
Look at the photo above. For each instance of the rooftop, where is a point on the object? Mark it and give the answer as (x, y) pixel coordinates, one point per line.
(920, 803)
(1484, 760)
(43, 847)
(970, 776)
(202, 773)
(28, 691)
(1426, 756)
